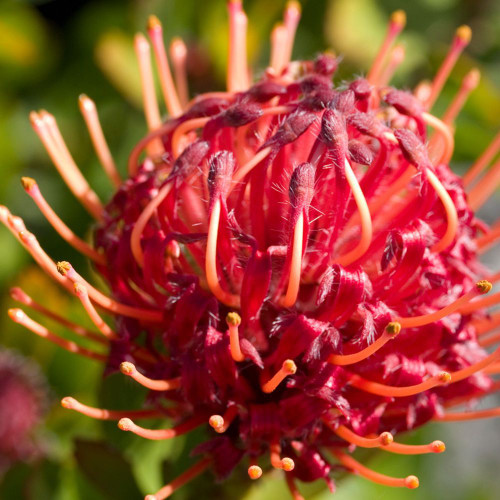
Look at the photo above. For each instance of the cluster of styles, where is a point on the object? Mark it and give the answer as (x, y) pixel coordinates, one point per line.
(291, 264)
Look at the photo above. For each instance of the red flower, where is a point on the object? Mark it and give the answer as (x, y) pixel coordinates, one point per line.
(292, 262)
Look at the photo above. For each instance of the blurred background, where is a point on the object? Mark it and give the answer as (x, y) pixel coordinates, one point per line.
(50, 52)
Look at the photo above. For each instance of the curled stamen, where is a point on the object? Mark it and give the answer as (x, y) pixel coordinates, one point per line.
(410, 449)
(82, 294)
(365, 217)
(46, 128)
(391, 330)
(481, 288)
(451, 213)
(445, 134)
(295, 265)
(178, 54)
(237, 72)
(384, 439)
(102, 414)
(396, 25)
(233, 321)
(89, 112)
(129, 369)
(460, 41)
(21, 296)
(399, 392)
(469, 83)
(469, 415)
(288, 368)
(155, 31)
(407, 482)
(66, 270)
(286, 463)
(20, 317)
(125, 424)
(184, 478)
(31, 187)
(211, 259)
(220, 423)
(488, 155)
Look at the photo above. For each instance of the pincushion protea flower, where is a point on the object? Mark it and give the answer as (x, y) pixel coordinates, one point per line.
(24, 397)
(292, 263)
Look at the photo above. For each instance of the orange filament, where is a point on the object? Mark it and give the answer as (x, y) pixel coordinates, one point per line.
(288, 368)
(46, 128)
(220, 423)
(445, 134)
(177, 483)
(20, 317)
(279, 42)
(150, 104)
(469, 415)
(346, 434)
(102, 414)
(292, 487)
(180, 132)
(295, 265)
(483, 161)
(178, 54)
(469, 83)
(486, 325)
(211, 259)
(233, 321)
(240, 174)
(143, 219)
(396, 59)
(291, 20)
(410, 449)
(125, 424)
(480, 193)
(129, 369)
(407, 482)
(365, 217)
(286, 463)
(484, 242)
(396, 25)
(82, 294)
(460, 41)
(480, 288)
(31, 187)
(237, 71)
(254, 472)
(155, 31)
(480, 304)
(139, 147)
(391, 330)
(489, 340)
(67, 271)
(89, 112)
(399, 392)
(21, 296)
(476, 367)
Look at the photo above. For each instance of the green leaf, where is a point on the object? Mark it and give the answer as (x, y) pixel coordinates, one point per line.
(107, 469)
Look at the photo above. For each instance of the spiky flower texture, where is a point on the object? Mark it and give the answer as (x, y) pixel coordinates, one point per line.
(291, 264)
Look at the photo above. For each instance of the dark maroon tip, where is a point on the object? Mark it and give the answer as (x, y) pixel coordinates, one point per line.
(366, 123)
(310, 83)
(262, 92)
(360, 152)
(301, 188)
(361, 88)
(220, 174)
(291, 129)
(207, 107)
(326, 64)
(334, 132)
(404, 102)
(344, 101)
(189, 160)
(412, 147)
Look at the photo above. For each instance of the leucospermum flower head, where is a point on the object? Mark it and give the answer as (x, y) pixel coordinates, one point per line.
(291, 262)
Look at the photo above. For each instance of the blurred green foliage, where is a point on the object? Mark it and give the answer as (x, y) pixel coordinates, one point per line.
(50, 51)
